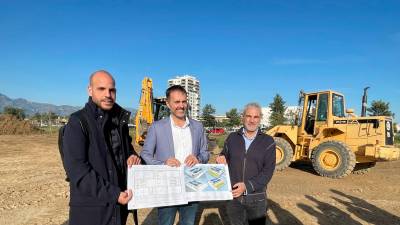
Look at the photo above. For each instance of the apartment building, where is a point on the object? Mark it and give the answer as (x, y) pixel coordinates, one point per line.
(192, 86)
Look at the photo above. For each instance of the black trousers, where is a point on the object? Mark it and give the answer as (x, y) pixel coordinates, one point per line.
(247, 210)
(98, 215)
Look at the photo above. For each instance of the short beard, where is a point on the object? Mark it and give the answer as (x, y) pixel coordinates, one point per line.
(247, 129)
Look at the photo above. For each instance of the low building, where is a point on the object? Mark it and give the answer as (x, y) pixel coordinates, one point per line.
(290, 114)
(220, 118)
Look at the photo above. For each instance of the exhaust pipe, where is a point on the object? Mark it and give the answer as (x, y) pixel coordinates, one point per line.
(364, 103)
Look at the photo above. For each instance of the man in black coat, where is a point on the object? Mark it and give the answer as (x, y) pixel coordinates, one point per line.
(97, 150)
(250, 155)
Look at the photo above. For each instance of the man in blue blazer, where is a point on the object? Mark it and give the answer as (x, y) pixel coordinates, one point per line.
(174, 141)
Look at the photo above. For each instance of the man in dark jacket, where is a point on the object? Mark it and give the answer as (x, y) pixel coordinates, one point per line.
(97, 151)
(250, 155)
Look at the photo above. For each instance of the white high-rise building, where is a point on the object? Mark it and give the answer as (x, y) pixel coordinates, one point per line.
(192, 86)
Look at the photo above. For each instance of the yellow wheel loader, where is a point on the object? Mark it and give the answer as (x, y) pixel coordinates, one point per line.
(335, 143)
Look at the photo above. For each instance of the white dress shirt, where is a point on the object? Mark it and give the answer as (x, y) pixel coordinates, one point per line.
(182, 140)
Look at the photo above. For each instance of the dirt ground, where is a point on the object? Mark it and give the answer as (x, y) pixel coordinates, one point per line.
(33, 191)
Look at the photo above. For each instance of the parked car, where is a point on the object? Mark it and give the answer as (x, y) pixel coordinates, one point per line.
(216, 131)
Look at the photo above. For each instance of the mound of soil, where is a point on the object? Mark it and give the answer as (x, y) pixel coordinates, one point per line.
(10, 125)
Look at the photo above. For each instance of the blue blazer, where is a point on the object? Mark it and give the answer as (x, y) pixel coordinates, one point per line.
(159, 144)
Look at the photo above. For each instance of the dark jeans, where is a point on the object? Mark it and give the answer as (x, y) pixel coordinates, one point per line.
(187, 214)
(247, 210)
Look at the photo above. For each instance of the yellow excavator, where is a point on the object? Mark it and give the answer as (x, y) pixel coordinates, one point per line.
(146, 114)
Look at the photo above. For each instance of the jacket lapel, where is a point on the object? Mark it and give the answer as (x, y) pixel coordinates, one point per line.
(96, 136)
(255, 141)
(170, 139)
(193, 135)
(241, 141)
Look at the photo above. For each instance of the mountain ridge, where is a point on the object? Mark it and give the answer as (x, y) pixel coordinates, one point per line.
(30, 107)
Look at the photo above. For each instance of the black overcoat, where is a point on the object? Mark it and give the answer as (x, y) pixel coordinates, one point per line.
(94, 185)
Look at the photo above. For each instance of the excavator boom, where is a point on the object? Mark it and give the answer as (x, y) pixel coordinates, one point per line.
(144, 115)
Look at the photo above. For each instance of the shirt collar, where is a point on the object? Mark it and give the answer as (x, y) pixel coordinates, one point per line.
(243, 131)
(187, 123)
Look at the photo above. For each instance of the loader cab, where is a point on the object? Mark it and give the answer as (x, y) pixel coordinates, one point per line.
(338, 105)
(319, 109)
(311, 108)
(161, 110)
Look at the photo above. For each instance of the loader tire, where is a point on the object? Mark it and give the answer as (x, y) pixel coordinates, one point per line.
(363, 168)
(284, 153)
(333, 159)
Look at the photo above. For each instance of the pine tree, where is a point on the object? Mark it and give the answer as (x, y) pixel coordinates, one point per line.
(208, 115)
(233, 117)
(278, 109)
(379, 108)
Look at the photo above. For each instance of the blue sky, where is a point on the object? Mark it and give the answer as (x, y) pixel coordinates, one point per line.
(241, 51)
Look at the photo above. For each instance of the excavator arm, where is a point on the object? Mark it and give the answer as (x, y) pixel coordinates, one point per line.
(144, 115)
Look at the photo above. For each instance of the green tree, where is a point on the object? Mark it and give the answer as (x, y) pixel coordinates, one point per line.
(223, 123)
(278, 109)
(233, 118)
(37, 116)
(379, 108)
(208, 115)
(397, 140)
(17, 112)
(51, 116)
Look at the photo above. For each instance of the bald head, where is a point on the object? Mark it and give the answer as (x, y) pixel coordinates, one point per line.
(102, 89)
(100, 74)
